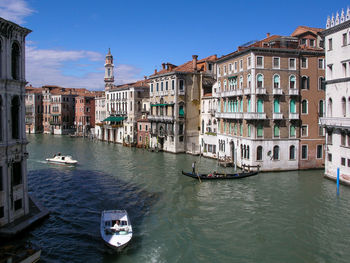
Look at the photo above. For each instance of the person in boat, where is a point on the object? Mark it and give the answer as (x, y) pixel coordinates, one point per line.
(117, 226)
(194, 167)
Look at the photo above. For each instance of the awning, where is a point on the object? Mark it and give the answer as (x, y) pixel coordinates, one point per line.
(115, 119)
(232, 77)
(163, 104)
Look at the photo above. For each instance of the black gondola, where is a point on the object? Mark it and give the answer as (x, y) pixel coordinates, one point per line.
(220, 176)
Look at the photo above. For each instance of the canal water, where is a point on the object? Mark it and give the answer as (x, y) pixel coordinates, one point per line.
(272, 217)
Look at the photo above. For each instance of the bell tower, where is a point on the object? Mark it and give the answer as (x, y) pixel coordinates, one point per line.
(109, 75)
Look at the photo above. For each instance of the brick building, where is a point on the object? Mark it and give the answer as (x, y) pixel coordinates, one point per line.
(84, 114)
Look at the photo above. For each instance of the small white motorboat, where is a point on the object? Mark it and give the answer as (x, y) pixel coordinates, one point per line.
(116, 229)
(62, 159)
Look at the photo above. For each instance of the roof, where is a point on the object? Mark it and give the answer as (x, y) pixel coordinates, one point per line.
(137, 84)
(187, 66)
(303, 29)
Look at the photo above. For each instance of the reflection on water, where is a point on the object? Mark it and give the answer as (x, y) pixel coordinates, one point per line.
(272, 217)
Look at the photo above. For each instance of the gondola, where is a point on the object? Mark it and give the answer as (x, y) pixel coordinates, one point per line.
(220, 176)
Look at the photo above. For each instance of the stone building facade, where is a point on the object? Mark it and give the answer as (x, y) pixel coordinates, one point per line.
(84, 114)
(337, 119)
(34, 110)
(14, 200)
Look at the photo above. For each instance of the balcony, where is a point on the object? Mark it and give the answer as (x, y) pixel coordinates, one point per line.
(294, 116)
(337, 122)
(161, 118)
(255, 115)
(260, 91)
(277, 116)
(293, 92)
(277, 91)
(228, 93)
(247, 91)
(229, 115)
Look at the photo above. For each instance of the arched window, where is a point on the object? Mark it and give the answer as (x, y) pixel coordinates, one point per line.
(241, 82)
(260, 105)
(249, 81)
(259, 130)
(292, 152)
(343, 106)
(292, 82)
(276, 81)
(225, 84)
(276, 106)
(249, 106)
(292, 108)
(330, 108)
(276, 131)
(304, 82)
(248, 152)
(260, 81)
(276, 152)
(245, 152)
(304, 107)
(15, 104)
(320, 108)
(259, 151)
(15, 61)
(203, 126)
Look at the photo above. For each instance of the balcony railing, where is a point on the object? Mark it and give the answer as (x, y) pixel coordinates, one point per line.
(229, 115)
(293, 92)
(335, 121)
(247, 91)
(277, 91)
(161, 118)
(255, 115)
(293, 116)
(277, 116)
(228, 93)
(260, 91)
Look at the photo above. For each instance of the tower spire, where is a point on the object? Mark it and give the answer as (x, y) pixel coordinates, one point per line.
(109, 74)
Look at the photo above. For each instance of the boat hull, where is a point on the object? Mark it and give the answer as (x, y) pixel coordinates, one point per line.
(220, 176)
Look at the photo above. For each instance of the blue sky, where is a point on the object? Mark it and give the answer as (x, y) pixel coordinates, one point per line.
(70, 38)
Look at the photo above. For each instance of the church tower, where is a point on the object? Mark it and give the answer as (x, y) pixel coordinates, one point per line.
(109, 75)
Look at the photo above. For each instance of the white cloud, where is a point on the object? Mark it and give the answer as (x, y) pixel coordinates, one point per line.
(15, 10)
(72, 69)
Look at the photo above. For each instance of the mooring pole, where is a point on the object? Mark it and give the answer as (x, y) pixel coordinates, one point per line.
(338, 181)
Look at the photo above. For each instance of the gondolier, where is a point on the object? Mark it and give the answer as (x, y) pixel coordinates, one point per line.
(194, 167)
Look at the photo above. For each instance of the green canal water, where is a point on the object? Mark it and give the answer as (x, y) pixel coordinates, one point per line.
(272, 217)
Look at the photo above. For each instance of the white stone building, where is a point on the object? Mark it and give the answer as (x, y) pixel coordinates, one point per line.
(100, 115)
(337, 120)
(14, 201)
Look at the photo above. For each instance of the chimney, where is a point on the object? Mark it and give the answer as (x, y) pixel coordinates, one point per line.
(163, 65)
(194, 62)
(267, 35)
(155, 71)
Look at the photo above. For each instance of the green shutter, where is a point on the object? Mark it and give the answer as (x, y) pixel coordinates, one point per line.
(241, 131)
(260, 105)
(292, 131)
(292, 106)
(181, 112)
(249, 131)
(248, 109)
(276, 106)
(276, 131)
(260, 130)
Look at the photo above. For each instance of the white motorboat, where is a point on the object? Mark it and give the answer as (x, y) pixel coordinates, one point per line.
(62, 159)
(116, 229)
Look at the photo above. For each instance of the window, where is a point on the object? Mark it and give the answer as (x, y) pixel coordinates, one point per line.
(140, 128)
(303, 41)
(161, 86)
(225, 70)
(259, 151)
(219, 73)
(276, 63)
(292, 152)
(249, 62)
(344, 70)
(304, 130)
(304, 82)
(329, 157)
(303, 62)
(343, 106)
(321, 108)
(276, 82)
(321, 84)
(249, 130)
(330, 107)
(259, 62)
(260, 106)
(292, 64)
(276, 131)
(342, 139)
(276, 106)
(292, 107)
(157, 88)
(329, 137)
(260, 81)
(241, 65)
(345, 39)
(321, 63)
(330, 44)
(15, 117)
(18, 204)
(140, 139)
(230, 67)
(292, 82)
(235, 66)
(321, 131)
(166, 85)
(15, 61)
(342, 161)
(276, 152)
(249, 81)
(319, 151)
(304, 152)
(312, 42)
(181, 85)
(241, 82)
(304, 107)
(181, 111)
(173, 84)
(259, 131)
